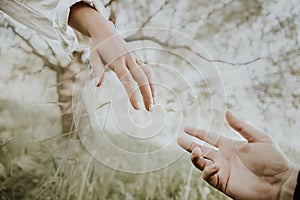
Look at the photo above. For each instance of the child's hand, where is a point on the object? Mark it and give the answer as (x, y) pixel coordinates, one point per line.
(127, 65)
(109, 46)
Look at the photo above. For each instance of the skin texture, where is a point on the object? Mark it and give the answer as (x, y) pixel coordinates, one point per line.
(109, 46)
(251, 169)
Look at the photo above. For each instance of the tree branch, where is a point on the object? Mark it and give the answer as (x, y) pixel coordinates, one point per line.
(45, 60)
(154, 14)
(139, 36)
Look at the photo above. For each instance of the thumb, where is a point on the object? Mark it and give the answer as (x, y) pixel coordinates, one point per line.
(247, 130)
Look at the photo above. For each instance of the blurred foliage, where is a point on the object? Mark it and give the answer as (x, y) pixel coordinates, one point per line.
(255, 45)
(39, 173)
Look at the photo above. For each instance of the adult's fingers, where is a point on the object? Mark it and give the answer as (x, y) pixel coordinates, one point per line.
(142, 81)
(198, 160)
(209, 137)
(190, 146)
(210, 175)
(247, 130)
(126, 79)
(97, 67)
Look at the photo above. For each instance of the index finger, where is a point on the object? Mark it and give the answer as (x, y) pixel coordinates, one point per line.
(209, 137)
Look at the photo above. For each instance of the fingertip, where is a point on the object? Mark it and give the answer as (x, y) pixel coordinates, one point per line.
(228, 113)
(153, 91)
(99, 81)
(196, 155)
(150, 107)
(231, 116)
(148, 103)
(188, 129)
(136, 106)
(217, 167)
(138, 61)
(197, 152)
(179, 140)
(212, 167)
(134, 101)
(182, 142)
(96, 79)
(99, 84)
(235, 122)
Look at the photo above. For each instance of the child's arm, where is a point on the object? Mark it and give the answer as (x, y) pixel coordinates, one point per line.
(113, 50)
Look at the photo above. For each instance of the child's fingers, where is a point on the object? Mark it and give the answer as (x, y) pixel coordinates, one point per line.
(140, 77)
(128, 82)
(149, 76)
(97, 67)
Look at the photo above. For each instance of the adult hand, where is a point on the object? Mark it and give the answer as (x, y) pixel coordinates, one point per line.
(107, 45)
(252, 169)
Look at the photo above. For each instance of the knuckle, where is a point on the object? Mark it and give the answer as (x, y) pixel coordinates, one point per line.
(126, 79)
(130, 59)
(147, 71)
(120, 62)
(205, 175)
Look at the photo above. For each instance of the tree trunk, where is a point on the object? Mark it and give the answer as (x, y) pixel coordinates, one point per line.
(66, 80)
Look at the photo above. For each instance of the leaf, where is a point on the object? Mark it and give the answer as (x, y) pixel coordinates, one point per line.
(54, 162)
(6, 142)
(102, 105)
(92, 175)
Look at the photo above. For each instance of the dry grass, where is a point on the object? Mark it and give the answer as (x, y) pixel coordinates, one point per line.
(54, 166)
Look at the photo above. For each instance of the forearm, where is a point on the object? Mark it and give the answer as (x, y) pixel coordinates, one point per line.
(288, 187)
(89, 22)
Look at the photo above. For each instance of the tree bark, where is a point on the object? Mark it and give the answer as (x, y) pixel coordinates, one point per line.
(66, 80)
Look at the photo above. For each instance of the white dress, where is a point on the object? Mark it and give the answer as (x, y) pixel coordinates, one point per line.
(49, 18)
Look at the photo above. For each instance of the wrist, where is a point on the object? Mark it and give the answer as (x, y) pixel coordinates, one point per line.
(87, 20)
(101, 29)
(289, 185)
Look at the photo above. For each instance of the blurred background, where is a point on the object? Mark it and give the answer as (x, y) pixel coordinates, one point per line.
(248, 62)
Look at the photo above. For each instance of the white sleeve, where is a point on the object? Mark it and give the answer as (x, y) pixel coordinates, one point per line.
(50, 18)
(71, 39)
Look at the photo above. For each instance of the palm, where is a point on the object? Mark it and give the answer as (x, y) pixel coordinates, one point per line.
(242, 170)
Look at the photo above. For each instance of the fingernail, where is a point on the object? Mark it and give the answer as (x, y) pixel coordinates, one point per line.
(154, 100)
(234, 116)
(197, 151)
(214, 166)
(96, 81)
(137, 106)
(138, 61)
(150, 107)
